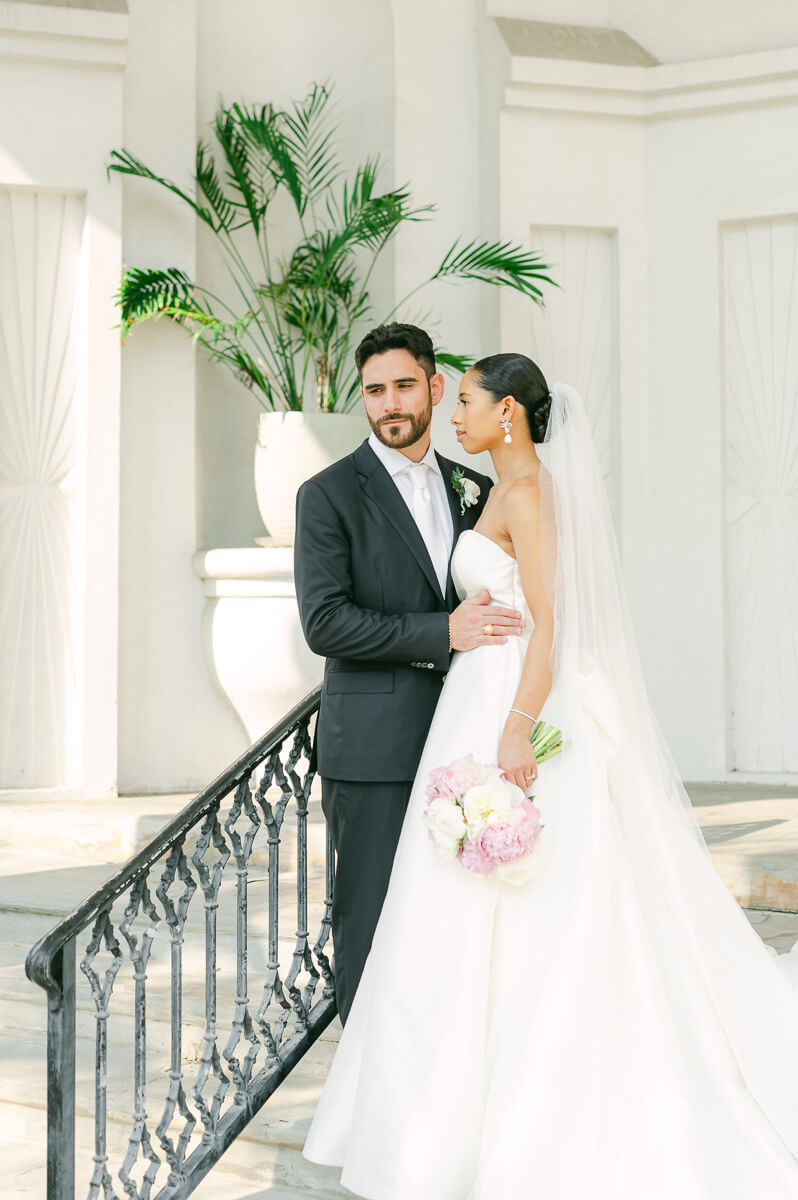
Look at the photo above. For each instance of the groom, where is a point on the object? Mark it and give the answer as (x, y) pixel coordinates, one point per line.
(374, 536)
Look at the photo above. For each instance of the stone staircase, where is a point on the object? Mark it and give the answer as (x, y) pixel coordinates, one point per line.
(37, 888)
(752, 833)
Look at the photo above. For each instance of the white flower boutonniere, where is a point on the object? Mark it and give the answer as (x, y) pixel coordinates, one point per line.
(467, 490)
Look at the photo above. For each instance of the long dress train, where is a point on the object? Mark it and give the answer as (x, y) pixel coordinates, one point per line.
(614, 1028)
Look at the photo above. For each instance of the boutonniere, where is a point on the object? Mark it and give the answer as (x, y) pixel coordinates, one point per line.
(467, 490)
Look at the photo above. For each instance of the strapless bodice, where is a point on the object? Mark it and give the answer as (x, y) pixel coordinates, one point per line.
(478, 562)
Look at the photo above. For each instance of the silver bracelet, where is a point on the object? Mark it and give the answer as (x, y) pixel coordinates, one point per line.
(521, 713)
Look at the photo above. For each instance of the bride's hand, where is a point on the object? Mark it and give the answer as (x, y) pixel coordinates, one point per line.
(516, 756)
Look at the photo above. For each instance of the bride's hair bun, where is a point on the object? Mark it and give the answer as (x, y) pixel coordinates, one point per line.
(518, 376)
(540, 421)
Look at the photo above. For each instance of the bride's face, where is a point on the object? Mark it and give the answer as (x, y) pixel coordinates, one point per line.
(476, 418)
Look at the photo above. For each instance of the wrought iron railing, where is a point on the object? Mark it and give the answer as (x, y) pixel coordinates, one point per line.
(159, 937)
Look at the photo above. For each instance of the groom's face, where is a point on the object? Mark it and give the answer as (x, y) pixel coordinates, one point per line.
(399, 398)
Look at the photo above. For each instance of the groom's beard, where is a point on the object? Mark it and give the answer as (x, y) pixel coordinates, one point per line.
(400, 437)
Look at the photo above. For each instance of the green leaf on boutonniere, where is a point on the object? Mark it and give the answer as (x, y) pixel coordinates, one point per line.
(467, 489)
(458, 483)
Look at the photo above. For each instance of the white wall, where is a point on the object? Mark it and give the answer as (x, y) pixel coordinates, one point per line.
(189, 427)
(676, 31)
(259, 52)
(651, 165)
(713, 168)
(60, 72)
(175, 730)
(664, 156)
(451, 66)
(683, 31)
(572, 12)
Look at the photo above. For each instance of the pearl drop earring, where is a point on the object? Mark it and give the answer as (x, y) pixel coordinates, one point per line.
(506, 424)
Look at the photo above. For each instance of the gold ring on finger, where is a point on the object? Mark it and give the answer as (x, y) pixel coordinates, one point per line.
(488, 630)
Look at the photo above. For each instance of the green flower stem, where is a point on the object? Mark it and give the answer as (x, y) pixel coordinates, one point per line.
(547, 741)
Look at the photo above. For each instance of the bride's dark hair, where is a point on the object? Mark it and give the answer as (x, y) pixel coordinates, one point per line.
(517, 376)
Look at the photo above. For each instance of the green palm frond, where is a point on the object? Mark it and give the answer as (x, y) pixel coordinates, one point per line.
(146, 293)
(291, 337)
(357, 195)
(251, 371)
(125, 163)
(310, 142)
(235, 146)
(501, 264)
(261, 131)
(367, 220)
(458, 364)
(209, 183)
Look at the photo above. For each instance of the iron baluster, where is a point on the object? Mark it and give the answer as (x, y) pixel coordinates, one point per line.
(176, 866)
(101, 992)
(61, 1075)
(242, 1024)
(244, 810)
(140, 901)
(210, 882)
(302, 957)
(273, 994)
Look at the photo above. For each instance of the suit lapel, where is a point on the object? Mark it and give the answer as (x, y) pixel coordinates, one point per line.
(377, 483)
(460, 521)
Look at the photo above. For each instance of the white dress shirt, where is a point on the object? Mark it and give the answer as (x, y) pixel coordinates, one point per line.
(399, 466)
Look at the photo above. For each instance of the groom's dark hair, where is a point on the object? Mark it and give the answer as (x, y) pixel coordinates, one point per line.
(397, 336)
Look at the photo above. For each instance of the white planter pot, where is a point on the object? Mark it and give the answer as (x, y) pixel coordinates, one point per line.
(251, 633)
(292, 446)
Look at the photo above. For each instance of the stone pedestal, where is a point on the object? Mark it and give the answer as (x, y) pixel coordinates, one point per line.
(251, 633)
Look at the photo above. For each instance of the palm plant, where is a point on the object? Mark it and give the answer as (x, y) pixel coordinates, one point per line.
(292, 336)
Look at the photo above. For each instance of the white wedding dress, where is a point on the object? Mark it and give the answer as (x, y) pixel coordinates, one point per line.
(612, 1029)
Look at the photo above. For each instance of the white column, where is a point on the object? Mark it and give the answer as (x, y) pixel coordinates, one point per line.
(59, 396)
(175, 733)
(436, 59)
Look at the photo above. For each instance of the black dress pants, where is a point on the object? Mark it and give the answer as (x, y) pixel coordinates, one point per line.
(365, 820)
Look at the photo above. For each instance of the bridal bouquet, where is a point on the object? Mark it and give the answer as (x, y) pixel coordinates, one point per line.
(477, 816)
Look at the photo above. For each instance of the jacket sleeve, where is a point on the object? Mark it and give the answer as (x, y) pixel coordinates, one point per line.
(333, 625)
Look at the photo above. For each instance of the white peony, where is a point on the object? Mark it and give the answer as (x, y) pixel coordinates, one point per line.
(470, 491)
(521, 870)
(447, 826)
(517, 873)
(489, 803)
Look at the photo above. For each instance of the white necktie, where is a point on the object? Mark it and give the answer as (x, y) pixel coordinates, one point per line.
(428, 522)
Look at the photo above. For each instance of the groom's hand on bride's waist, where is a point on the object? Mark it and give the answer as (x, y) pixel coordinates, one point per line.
(473, 624)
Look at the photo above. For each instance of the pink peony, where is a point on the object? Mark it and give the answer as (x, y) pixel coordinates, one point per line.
(526, 814)
(503, 834)
(512, 840)
(452, 782)
(472, 858)
(438, 784)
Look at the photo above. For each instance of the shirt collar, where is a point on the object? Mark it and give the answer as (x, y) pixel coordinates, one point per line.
(394, 461)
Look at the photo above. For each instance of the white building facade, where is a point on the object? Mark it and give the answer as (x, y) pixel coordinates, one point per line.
(644, 149)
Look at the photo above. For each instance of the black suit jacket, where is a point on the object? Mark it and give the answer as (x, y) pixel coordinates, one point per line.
(370, 602)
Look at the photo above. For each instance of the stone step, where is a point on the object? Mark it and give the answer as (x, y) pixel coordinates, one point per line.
(23, 1166)
(752, 834)
(266, 1153)
(91, 831)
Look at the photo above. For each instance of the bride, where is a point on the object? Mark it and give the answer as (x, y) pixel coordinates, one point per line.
(613, 1028)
